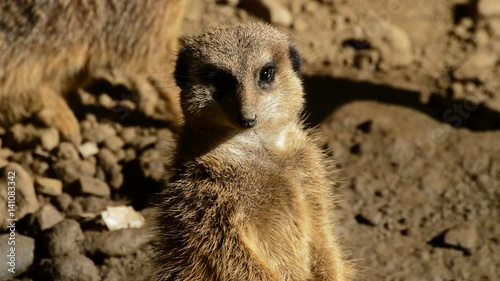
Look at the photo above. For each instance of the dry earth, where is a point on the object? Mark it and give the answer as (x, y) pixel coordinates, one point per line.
(406, 94)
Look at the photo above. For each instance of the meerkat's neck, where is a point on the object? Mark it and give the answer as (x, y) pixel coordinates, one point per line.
(241, 143)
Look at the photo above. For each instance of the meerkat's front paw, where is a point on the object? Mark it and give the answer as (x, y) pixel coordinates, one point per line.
(64, 121)
(56, 113)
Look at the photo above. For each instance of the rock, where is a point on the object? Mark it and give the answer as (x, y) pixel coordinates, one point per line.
(25, 196)
(115, 243)
(130, 155)
(39, 167)
(99, 133)
(128, 135)
(63, 238)
(88, 149)
(46, 217)
(24, 254)
(73, 267)
(22, 136)
(23, 158)
(152, 164)
(488, 8)
(476, 65)
(106, 101)
(63, 201)
(116, 177)
(67, 151)
(49, 138)
(47, 186)
(107, 160)
(122, 217)
(393, 44)
(70, 171)
(462, 236)
(92, 204)
(269, 10)
(114, 143)
(369, 216)
(92, 186)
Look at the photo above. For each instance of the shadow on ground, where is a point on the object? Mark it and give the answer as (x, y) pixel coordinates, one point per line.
(325, 94)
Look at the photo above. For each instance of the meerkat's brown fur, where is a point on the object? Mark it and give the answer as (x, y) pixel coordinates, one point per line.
(48, 47)
(250, 196)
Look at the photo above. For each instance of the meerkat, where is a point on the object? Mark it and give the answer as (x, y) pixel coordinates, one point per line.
(251, 196)
(50, 47)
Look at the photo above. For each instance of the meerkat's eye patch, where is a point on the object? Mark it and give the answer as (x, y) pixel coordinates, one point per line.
(267, 73)
(181, 70)
(295, 59)
(224, 82)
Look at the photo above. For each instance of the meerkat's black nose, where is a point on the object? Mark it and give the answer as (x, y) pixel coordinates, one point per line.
(248, 122)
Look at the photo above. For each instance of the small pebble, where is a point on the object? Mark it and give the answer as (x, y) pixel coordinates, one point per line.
(463, 236)
(92, 186)
(67, 151)
(46, 217)
(88, 149)
(48, 186)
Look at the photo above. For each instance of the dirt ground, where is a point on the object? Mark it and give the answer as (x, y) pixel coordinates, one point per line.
(407, 96)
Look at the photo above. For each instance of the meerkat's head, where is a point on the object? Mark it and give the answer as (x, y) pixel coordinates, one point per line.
(238, 77)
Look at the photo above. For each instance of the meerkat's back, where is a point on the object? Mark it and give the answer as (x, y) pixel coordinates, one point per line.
(250, 196)
(50, 47)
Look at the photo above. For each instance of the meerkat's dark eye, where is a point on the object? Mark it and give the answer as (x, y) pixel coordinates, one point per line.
(267, 73)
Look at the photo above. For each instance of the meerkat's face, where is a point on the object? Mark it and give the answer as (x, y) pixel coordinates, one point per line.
(239, 77)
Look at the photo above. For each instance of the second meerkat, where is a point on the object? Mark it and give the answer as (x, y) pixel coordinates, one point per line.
(250, 196)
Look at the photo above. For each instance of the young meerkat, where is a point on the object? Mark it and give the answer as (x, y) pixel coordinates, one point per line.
(49, 47)
(250, 196)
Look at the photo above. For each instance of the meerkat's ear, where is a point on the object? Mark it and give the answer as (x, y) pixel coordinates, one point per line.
(181, 69)
(295, 59)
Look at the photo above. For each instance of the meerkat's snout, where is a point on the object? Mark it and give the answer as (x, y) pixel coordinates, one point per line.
(248, 122)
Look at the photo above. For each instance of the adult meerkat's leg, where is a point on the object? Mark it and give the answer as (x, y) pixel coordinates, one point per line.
(56, 112)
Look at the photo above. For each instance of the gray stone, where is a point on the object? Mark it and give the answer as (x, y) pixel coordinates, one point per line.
(24, 254)
(72, 267)
(70, 171)
(114, 143)
(46, 217)
(107, 160)
(129, 135)
(99, 133)
(25, 196)
(67, 151)
(63, 201)
(92, 186)
(115, 243)
(64, 238)
(48, 186)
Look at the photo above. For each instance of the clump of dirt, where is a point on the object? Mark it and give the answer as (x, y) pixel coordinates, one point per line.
(405, 94)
